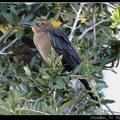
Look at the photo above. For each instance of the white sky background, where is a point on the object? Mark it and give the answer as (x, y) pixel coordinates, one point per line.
(113, 90)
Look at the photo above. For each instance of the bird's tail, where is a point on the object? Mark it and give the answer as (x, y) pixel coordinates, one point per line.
(86, 84)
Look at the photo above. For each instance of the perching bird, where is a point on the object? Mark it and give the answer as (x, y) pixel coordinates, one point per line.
(23, 53)
(47, 37)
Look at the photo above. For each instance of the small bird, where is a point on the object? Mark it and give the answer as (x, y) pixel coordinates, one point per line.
(47, 37)
(23, 53)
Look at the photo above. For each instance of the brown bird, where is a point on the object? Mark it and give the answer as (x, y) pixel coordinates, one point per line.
(47, 37)
(23, 53)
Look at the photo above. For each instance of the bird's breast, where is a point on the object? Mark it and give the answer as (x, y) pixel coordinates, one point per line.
(43, 44)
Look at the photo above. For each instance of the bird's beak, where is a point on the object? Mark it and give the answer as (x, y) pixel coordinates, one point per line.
(29, 23)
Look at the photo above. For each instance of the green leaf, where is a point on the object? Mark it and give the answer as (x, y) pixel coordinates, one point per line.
(42, 82)
(28, 18)
(100, 87)
(118, 23)
(12, 105)
(96, 11)
(4, 111)
(79, 69)
(60, 83)
(32, 61)
(19, 34)
(3, 7)
(106, 101)
(107, 60)
(58, 59)
(49, 4)
(113, 18)
(67, 104)
(93, 101)
(47, 77)
(28, 7)
(69, 14)
(16, 18)
(116, 14)
(52, 53)
(112, 26)
(22, 18)
(23, 78)
(27, 71)
(100, 81)
(8, 17)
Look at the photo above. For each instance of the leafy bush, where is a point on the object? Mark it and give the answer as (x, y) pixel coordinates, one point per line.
(35, 89)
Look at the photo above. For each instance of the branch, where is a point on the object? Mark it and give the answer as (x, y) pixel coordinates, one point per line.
(67, 26)
(27, 109)
(90, 28)
(8, 32)
(76, 21)
(78, 26)
(109, 109)
(2, 53)
(9, 45)
(73, 8)
(94, 31)
(110, 5)
(102, 10)
(78, 97)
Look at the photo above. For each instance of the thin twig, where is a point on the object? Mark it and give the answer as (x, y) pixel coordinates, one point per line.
(2, 53)
(78, 97)
(102, 11)
(90, 28)
(80, 94)
(31, 100)
(78, 26)
(4, 35)
(116, 112)
(109, 109)
(9, 45)
(76, 21)
(110, 5)
(26, 109)
(94, 34)
(67, 26)
(47, 15)
(54, 93)
(94, 31)
(78, 76)
(73, 9)
(37, 8)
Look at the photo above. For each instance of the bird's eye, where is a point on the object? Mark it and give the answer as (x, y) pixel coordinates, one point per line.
(39, 23)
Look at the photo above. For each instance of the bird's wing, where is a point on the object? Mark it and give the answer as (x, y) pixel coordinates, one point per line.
(63, 46)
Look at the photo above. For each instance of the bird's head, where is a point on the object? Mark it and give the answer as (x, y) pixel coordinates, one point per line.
(39, 25)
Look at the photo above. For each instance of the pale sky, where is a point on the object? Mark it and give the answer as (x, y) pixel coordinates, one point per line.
(113, 90)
